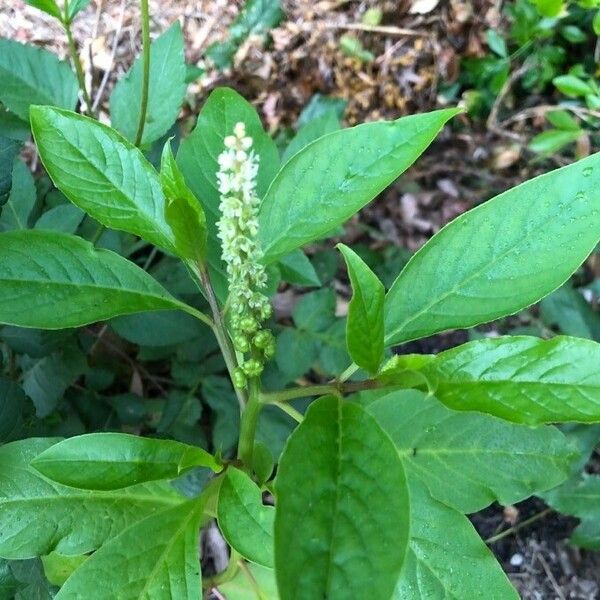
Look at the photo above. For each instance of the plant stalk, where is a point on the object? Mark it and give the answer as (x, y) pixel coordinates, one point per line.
(249, 421)
(336, 388)
(77, 63)
(146, 73)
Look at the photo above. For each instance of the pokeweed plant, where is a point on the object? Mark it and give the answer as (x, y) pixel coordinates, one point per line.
(372, 488)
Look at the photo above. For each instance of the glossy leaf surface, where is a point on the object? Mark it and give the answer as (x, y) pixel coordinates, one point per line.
(341, 524)
(53, 280)
(108, 461)
(331, 179)
(245, 522)
(500, 257)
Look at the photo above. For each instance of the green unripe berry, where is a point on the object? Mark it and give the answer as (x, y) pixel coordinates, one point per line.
(269, 351)
(262, 339)
(266, 311)
(248, 324)
(252, 368)
(239, 378)
(241, 343)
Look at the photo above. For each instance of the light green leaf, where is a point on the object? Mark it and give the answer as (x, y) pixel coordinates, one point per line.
(53, 280)
(331, 179)
(252, 582)
(58, 567)
(48, 6)
(572, 86)
(326, 123)
(21, 200)
(562, 119)
(64, 217)
(499, 257)
(446, 558)
(74, 521)
(581, 499)
(521, 379)
(245, 522)
(9, 150)
(102, 173)
(110, 461)
(197, 158)
(75, 6)
(364, 331)
(12, 403)
(155, 558)
(183, 213)
(341, 523)
(166, 89)
(553, 140)
(469, 460)
(32, 75)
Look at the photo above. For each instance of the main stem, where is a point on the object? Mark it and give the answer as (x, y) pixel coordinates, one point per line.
(248, 423)
(77, 63)
(146, 76)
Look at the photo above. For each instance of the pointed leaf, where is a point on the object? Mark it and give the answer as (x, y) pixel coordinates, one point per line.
(74, 521)
(499, 257)
(245, 522)
(75, 6)
(166, 89)
(102, 173)
(157, 558)
(197, 158)
(53, 280)
(331, 179)
(184, 213)
(48, 6)
(446, 558)
(109, 461)
(521, 379)
(341, 524)
(32, 75)
(469, 460)
(364, 329)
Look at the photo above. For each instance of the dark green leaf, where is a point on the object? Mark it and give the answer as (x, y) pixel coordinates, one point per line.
(9, 150)
(64, 217)
(521, 245)
(469, 460)
(54, 280)
(297, 269)
(326, 123)
(155, 558)
(183, 213)
(75, 521)
(32, 75)
(341, 524)
(12, 404)
(166, 89)
(245, 522)
(315, 311)
(318, 105)
(109, 461)
(364, 333)
(295, 352)
(198, 154)
(102, 173)
(323, 185)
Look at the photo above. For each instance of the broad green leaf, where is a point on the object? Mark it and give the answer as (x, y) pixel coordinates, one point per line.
(562, 119)
(341, 523)
(572, 86)
(32, 75)
(255, 18)
(311, 131)
(297, 269)
(36, 343)
(110, 461)
(251, 582)
(364, 330)
(331, 179)
(53, 280)
(315, 311)
(9, 150)
(446, 558)
(31, 583)
(183, 213)
(295, 352)
(166, 89)
(499, 257)
(64, 217)
(469, 460)
(47, 379)
(197, 158)
(74, 521)
(553, 140)
(521, 379)
(59, 567)
(21, 200)
(13, 127)
(581, 499)
(567, 309)
(75, 6)
(102, 173)
(318, 105)
(48, 6)
(156, 558)
(245, 522)
(12, 403)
